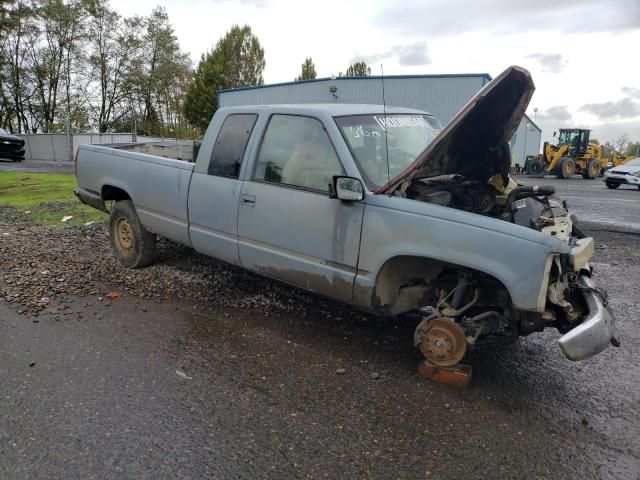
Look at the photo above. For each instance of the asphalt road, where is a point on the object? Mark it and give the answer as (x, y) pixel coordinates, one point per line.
(146, 389)
(38, 166)
(595, 204)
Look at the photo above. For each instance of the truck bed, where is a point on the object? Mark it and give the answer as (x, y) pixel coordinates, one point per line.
(177, 150)
(158, 185)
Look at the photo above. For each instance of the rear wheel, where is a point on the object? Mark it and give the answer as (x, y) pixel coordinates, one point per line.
(133, 246)
(612, 185)
(592, 170)
(567, 167)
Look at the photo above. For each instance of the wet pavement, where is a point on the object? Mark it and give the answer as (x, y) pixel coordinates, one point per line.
(189, 389)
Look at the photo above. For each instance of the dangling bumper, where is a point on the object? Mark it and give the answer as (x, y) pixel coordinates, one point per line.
(596, 332)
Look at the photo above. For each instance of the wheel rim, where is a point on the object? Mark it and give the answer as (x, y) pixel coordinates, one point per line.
(124, 235)
(568, 168)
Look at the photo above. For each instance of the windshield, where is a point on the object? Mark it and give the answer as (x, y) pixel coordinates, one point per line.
(568, 137)
(634, 163)
(3, 132)
(384, 145)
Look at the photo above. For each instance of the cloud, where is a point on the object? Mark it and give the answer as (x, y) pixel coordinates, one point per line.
(413, 55)
(616, 109)
(255, 3)
(611, 131)
(449, 17)
(625, 108)
(632, 92)
(554, 117)
(550, 62)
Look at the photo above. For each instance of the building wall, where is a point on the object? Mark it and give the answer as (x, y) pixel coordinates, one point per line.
(440, 95)
(525, 142)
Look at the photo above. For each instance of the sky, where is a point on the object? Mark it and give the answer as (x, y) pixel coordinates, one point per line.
(583, 54)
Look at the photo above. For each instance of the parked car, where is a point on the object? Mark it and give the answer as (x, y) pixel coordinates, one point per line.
(11, 147)
(378, 207)
(626, 174)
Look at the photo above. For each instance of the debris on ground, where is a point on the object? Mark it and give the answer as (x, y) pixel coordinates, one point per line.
(113, 295)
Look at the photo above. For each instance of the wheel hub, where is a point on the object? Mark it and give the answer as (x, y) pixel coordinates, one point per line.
(441, 341)
(124, 234)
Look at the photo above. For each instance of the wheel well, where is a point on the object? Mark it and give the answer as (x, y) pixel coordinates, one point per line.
(114, 193)
(405, 283)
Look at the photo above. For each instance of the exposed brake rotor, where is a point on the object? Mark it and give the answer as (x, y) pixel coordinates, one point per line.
(441, 341)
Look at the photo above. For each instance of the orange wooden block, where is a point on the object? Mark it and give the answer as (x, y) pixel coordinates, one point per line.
(457, 376)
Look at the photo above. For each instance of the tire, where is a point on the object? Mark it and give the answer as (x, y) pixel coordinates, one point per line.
(536, 168)
(132, 245)
(592, 170)
(567, 167)
(612, 185)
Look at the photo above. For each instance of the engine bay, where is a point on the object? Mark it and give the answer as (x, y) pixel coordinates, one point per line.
(527, 206)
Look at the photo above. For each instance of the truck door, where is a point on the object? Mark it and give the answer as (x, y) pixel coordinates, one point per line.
(215, 190)
(288, 227)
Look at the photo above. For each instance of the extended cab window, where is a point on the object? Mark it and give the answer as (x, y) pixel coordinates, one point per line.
(230, 145)
(297, 151)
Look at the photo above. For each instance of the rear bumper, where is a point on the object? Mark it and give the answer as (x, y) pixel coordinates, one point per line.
(595, 333)
(90, 199)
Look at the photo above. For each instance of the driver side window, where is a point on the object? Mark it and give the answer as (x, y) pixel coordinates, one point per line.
(297, 151)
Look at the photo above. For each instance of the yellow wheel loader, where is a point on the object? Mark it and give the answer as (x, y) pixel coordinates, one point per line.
(572, 154)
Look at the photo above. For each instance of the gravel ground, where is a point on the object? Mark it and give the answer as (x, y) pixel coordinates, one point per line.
(42, 266)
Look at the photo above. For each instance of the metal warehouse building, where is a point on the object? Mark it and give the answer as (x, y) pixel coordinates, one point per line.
(441, 95)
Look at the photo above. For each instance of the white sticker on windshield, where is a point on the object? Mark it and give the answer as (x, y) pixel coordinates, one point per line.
(397, 121)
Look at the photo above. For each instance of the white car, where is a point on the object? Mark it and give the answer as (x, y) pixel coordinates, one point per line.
(627, 174)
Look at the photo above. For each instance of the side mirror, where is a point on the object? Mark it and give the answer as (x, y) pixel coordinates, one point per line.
(347, 189)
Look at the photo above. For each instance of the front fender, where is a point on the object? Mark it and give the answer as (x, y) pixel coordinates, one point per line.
(520, 262)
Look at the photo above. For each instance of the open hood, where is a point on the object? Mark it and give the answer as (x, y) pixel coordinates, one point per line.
(475, 143)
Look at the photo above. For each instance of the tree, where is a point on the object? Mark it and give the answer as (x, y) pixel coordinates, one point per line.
(236, 61)
(608, 149)
(358, 69)
(621, 143)
(308, 70)
(78, 63)
(200, 99)
(165, 67)
(51, 45)
(17, 24)
(633, 148)
(114, 45)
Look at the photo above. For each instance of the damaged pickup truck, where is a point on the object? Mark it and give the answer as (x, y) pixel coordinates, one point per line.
(380, 208)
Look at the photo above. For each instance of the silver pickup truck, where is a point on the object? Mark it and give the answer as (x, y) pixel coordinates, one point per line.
(378, 207)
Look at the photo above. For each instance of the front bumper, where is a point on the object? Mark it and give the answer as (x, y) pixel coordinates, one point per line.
(596, 332)
(622, 179)
(11, 151)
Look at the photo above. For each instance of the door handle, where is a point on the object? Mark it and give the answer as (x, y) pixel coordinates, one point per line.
(249, 200)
